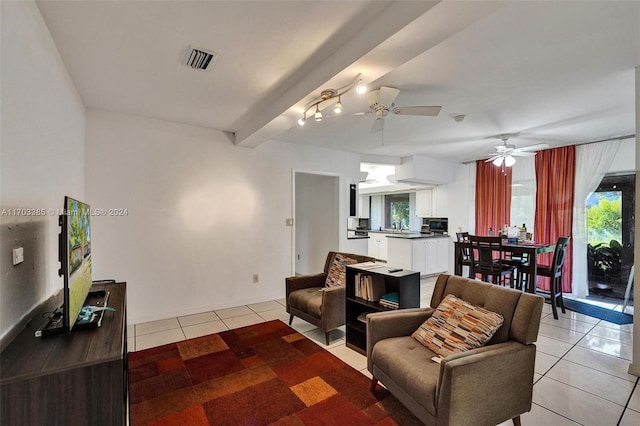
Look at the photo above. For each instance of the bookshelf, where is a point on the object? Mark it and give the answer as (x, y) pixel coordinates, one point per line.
(406, 283)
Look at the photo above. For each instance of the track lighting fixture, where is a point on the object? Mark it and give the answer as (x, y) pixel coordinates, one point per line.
(338, 107)
(330, 97)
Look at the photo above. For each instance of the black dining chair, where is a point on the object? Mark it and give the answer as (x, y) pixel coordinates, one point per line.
(520, 262)
(464, 247)
(554, 272)
(485, 261)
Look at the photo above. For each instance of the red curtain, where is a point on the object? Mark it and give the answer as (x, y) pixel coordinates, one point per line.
(555, 177)
(493, 197)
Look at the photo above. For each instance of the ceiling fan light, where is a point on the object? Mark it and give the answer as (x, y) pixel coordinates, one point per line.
(301, 121)
(361, 88)
(318, 114)
(498, 161)
(509, 161)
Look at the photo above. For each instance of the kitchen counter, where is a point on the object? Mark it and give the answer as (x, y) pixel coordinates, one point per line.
(357, 237)
(415, 236)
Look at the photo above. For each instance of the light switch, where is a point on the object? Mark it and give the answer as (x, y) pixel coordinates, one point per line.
(18, 256)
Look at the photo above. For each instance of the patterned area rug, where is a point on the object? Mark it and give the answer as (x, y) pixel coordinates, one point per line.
(258, 375)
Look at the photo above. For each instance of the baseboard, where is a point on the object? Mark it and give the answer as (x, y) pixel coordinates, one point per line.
(634, 369)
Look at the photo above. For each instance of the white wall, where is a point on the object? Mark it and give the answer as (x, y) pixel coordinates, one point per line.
(624, 160)
(42, 151)
(203, 214)
(316, 220)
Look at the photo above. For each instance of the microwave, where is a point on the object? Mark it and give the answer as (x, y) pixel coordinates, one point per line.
(435, 225)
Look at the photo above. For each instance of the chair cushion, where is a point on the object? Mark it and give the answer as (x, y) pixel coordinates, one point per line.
(410, 366)
(338, 271)
(307, 300)
(457, 326)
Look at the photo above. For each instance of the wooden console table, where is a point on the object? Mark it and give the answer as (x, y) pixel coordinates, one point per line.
(80, 378)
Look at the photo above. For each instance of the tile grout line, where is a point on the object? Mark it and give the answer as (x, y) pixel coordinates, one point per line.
(626, 406)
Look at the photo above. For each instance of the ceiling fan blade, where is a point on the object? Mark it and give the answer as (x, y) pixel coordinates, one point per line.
(428, 111)
(517, 153)
(501, 148)
(492, 158)
(388, 95)
(534, 147)
(378, 126)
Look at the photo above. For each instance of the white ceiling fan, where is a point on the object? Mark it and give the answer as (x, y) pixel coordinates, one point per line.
(505, 153)
(382, 102)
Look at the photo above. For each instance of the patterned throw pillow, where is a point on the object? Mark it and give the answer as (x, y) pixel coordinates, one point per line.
(338, 271)
(457, 326)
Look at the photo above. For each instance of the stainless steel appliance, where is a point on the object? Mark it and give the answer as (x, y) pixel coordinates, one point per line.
(435, 225)
(363, 226)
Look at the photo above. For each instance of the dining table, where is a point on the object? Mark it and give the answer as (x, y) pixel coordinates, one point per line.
(532, 249)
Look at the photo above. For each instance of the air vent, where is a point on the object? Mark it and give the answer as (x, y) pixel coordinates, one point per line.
(200, 59)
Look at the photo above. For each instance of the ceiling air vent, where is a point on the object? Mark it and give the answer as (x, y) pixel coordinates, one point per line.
(200, 59)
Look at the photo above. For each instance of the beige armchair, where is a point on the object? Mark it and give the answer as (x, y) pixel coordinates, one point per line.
(483, 386)
(309, 299)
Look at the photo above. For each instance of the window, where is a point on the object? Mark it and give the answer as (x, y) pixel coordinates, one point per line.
(396, 211)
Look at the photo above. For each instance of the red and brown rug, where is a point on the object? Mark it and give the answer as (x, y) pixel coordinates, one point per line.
(258, 375)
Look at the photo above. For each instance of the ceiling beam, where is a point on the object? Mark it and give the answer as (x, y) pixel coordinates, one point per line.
(399, 33)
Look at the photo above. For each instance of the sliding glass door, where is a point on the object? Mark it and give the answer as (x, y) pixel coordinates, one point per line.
(610, 236)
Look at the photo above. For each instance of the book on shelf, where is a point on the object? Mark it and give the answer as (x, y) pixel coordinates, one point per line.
(390, 300)
(369, 287)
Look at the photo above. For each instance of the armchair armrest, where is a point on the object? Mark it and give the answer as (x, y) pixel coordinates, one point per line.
(333, 307)
(498, 378)
(304, 281)
(383, 325)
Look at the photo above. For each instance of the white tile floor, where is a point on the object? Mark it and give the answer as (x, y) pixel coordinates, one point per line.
(581, 365)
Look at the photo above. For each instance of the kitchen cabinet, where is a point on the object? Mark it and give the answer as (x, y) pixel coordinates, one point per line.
(427, 255)
(432, 202)
(378, 245)
(424, 203)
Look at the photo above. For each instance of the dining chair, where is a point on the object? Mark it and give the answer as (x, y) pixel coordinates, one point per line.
(487, 263)
(520, 261)
(554, 272)
(464, 247)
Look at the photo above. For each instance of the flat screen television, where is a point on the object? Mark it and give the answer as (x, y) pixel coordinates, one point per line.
(75, 257)
(74, 254)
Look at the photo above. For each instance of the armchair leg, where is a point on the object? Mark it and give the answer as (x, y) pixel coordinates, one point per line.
(290, 319)
(326, 337)
(374, 382)
(516, 421)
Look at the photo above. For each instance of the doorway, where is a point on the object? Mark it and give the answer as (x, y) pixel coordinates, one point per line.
(610, 237)
(316, 220)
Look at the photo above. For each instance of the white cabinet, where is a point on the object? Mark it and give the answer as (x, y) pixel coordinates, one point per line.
(425, 255)
(378, 245)
(419, 256)
(432, 202)
(438, 255)
(424, 203)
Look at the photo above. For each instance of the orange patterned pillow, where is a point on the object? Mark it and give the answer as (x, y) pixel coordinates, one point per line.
(338, 270)
(457, 326)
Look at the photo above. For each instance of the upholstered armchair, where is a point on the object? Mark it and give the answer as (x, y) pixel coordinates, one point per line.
(483, 386)
(309, 298)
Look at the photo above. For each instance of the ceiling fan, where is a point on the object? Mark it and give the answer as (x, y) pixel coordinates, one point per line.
(382, 102)
(505, 153)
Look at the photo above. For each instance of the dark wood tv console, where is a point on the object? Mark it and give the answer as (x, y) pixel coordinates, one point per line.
(80, 378)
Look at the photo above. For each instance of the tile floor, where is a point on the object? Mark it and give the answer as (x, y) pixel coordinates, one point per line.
(580, 374)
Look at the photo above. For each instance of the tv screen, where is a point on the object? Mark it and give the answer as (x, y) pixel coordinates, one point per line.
(77, 273)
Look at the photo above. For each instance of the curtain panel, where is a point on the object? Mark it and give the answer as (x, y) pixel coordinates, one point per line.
(493, 197)
(555, 178)
(592, 163)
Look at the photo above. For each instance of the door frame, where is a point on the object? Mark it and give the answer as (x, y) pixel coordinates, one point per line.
(340, 205)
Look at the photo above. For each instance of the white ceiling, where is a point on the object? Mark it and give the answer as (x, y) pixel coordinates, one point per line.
(554, 72)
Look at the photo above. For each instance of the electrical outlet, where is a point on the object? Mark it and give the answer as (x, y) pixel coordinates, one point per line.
(256, 278)
(18, 256)
(289, 222)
